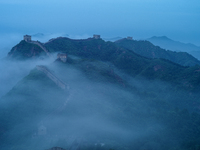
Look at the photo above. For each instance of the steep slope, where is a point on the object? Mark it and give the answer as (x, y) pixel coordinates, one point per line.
(146, 49)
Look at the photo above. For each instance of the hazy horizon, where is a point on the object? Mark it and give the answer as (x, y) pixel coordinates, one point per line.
(178, 20)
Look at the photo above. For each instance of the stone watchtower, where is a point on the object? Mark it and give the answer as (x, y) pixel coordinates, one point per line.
(27, 38)
(62, 57)
(96, 36)
(129, 38)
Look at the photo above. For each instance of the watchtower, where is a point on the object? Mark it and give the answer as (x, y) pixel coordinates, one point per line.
(27, 38)
(129, 38)
(95, 36)
(62, 57)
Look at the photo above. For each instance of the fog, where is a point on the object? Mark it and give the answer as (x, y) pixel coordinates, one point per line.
(96, 111)
(92, 111)
(13, 71)
(7, 42)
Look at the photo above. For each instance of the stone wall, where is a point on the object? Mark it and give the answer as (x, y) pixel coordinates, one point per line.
(41, 46)
(27, 38)
(55, 79)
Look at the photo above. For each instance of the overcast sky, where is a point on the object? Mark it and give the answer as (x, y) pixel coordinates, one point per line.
(177, 19)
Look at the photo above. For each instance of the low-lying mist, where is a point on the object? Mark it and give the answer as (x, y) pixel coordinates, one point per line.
(101, 108)
(89, 112)
(12, 71)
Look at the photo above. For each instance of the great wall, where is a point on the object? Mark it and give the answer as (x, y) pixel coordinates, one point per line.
(44, 69)
(41, 46)
(51, 76)
(62, 85)
(42, 131)
(27, 38)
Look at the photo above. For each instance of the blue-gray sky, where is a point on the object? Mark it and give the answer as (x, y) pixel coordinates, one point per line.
(177, 19)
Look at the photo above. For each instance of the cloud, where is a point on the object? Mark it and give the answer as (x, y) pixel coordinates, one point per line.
(13, 71)
(96, 112)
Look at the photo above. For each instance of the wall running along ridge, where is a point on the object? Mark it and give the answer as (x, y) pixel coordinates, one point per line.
(50, 75)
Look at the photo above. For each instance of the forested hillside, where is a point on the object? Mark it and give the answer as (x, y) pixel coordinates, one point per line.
(147, 49)
(115, 99)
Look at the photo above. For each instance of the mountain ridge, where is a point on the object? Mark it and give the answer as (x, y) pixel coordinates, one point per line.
(170, 44)
(147, 49)
(117, 97)
(123, 58)
(155, 40)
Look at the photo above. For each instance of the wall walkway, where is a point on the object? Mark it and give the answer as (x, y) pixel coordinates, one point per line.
(50, 75)
(41, 46)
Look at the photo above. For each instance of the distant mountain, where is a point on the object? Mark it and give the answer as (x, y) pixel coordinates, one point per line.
(147, 49)
(38, 35)
(112, 39)
(170, 44)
